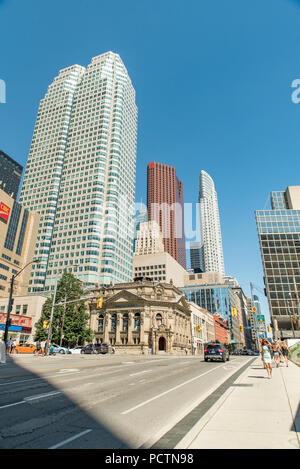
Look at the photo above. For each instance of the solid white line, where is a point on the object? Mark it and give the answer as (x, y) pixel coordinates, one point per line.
(70, 439)
(169, 390)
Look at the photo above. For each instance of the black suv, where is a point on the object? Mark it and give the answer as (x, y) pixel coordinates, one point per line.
(216, 351)
(98, 348)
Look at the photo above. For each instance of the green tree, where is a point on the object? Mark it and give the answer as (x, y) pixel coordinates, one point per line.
(69, 324)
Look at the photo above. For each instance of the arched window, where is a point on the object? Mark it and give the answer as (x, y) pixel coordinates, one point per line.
(100, 323)
(113, 322)
(158, 319)
(125, 322)
(137, 321)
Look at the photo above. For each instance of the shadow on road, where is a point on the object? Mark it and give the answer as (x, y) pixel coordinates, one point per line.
(34, 414)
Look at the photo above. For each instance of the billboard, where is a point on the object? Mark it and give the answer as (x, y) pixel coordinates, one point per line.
(4, 211)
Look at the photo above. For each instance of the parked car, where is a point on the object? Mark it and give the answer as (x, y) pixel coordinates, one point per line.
(216, 351)
(26, 348)
(60, 349)
(76, 350)
(98, 348)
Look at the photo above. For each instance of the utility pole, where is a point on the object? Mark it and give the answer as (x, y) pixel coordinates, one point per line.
(51, 320)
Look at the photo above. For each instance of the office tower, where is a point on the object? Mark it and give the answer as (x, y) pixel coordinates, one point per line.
(80, 174)
(195, 256)
(140, 217)
(18, 233)
(165, 206)
(279, 239)
(149, 239)
(10, 175)
(212, 249)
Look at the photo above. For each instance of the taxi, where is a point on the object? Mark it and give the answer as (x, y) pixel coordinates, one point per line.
(26, 348)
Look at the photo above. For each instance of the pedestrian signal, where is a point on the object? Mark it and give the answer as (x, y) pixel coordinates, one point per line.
(99, 302)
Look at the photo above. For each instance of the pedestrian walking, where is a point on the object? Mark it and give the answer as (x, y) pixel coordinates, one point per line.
(38, 347)
(186, 351)
(93, 349)
(8, 345)
(266, 356)
(113, 350)
(276, 353)
(13, 345)
(285, 352)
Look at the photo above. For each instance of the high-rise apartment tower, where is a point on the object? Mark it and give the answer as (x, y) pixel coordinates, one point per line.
(211, 238)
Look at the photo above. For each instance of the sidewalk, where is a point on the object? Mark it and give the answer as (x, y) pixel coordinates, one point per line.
(256, 412)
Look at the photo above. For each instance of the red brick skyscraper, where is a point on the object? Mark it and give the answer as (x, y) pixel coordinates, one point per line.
(165, 205)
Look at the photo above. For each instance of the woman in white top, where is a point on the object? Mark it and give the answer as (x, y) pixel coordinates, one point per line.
(266, 356)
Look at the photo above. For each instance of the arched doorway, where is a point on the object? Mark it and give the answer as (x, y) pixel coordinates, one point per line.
(162, 344)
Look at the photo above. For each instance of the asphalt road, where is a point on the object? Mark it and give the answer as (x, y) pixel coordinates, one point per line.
(111, 402)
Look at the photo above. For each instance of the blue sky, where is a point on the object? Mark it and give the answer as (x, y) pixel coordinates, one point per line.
(213, 87)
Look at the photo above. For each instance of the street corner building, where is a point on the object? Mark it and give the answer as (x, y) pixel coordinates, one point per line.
(142, 317)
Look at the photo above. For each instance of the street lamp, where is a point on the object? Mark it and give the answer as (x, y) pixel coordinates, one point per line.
(10, 302)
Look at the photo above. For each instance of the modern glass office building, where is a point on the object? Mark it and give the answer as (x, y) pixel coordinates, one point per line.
(80, 175)
(214, 298)
(279, 238)
(10, 175)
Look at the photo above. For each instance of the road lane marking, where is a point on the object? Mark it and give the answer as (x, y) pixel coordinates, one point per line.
(167, 392)
(31, 398)
(72, 438)
(41, 396)
(140, 372)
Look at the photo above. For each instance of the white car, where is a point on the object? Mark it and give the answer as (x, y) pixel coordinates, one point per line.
(76, 350)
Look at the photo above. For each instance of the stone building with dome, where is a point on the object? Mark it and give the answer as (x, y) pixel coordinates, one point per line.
(141, 317)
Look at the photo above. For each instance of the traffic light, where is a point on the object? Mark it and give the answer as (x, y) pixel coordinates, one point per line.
(295, 319)
(269, 328)
(99, 302)
(241, 328)
(45, 324)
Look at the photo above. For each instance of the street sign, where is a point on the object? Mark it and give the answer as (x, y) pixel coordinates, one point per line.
(260, 318)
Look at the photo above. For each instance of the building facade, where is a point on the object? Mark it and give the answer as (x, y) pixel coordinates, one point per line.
(279, 240)
(10, 175)
(142, 317)
(80, 175)
(211, 238)
(202, 328)
(18, 234)
(25, 314)
(165, 205)
(210, 291)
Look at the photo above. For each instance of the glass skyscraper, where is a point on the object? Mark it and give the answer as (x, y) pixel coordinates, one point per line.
(212, 249)
(279, 238)
(80, 175)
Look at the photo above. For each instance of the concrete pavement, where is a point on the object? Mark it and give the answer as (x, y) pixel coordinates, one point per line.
(254, 413)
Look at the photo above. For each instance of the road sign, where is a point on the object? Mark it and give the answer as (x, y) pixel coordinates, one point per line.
(260, 318)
